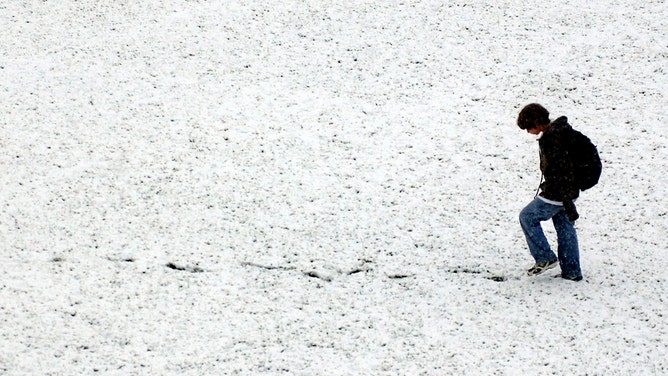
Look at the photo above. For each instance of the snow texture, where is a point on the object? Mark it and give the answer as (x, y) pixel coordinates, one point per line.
(324, 188)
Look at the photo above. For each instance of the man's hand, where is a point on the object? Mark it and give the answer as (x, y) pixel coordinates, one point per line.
(571, 211)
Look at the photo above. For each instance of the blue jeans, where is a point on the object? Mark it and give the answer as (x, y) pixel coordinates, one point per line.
(568, 251)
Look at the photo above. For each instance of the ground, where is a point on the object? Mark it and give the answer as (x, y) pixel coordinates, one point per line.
(304, 187)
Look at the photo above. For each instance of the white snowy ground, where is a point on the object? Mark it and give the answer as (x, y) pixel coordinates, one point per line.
(328, 188)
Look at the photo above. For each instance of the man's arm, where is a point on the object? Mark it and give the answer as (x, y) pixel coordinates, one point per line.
(561, 174)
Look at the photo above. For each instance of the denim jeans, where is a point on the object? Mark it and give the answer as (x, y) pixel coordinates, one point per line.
(568, 252)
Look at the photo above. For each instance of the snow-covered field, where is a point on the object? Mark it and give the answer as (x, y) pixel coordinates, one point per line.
(324, 188)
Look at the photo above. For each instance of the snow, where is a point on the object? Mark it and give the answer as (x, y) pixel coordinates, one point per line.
(331, 188)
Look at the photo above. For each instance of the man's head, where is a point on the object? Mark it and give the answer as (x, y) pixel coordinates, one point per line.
(533, 118)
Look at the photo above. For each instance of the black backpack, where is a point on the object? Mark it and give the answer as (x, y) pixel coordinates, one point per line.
(586, 161)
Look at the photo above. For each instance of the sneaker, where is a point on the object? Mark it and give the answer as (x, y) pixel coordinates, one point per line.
(542, 267)
(573, 278)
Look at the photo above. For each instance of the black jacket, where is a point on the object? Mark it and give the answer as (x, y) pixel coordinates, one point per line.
(556, 164)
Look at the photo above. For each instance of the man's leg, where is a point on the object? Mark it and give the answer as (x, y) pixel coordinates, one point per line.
(530, 218)
(568, 250)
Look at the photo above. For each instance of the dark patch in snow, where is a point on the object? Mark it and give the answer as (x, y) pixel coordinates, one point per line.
(399, 276)
(195, 269)
(466, 271)
(314, 274)
(497, 278)
(267, 267)
(487, 273)
(358, 270)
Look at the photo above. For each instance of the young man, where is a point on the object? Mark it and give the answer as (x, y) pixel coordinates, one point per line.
(555, 201)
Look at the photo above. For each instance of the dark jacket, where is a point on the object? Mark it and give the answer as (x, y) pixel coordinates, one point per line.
(556, 165)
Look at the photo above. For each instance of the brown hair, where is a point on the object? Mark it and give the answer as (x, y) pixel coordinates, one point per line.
(532, 116)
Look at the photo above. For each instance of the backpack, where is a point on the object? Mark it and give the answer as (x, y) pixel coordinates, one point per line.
(586, 161)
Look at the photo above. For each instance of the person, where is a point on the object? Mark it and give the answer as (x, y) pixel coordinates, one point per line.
(558, 192)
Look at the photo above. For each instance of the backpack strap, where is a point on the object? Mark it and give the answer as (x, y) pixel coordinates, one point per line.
(539, 184)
